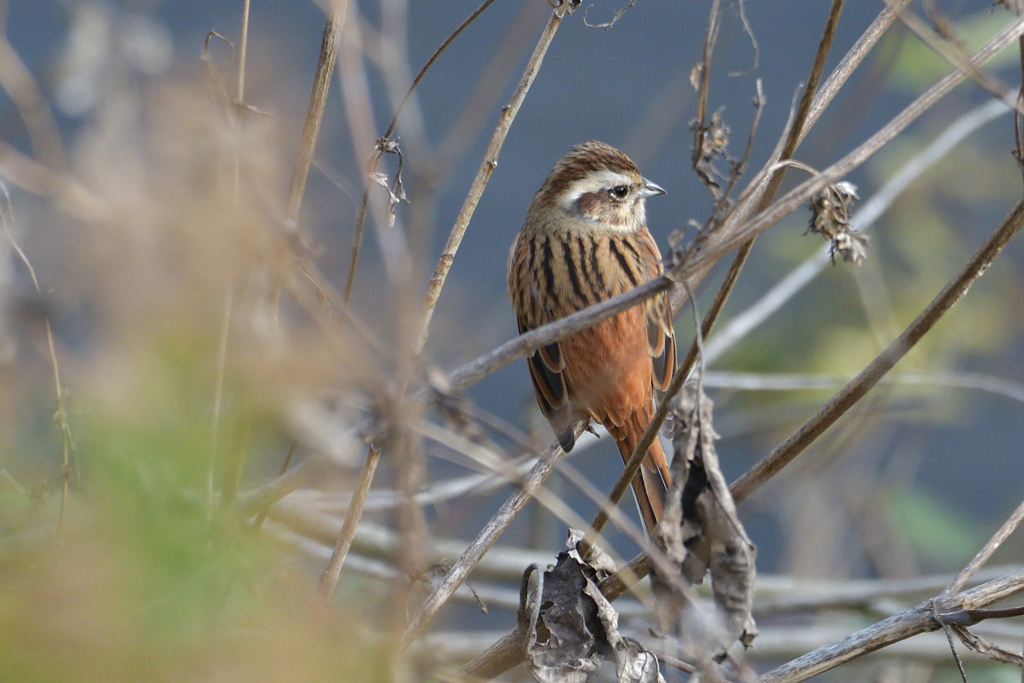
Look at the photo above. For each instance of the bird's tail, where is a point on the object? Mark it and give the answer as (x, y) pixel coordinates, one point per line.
(652, 482)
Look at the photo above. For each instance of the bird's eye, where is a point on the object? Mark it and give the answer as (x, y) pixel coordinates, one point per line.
(620, 191)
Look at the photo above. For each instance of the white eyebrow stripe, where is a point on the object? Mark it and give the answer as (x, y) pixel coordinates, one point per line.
(601, 180)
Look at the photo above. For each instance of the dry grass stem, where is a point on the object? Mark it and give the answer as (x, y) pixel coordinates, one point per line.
(218, 396)
(329, 579)
(357, 239)
(920, 619)
(315, 111)
(243, 46)
(33, 108)
(60, 415)
(262, 516)
(483, 175)
(1004, 531)
(483, 542)
(785, 452)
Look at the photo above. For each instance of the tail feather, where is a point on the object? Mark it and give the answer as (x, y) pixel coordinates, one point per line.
(652, 482)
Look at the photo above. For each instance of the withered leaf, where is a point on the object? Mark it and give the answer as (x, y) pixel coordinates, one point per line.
(570, 626)
(700, 532)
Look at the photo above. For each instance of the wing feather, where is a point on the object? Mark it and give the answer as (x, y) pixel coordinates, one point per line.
(546, 365)
(661, 340)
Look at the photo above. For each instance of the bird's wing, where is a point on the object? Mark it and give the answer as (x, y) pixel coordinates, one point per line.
(661, 338)
(546, 366)
(661, 341)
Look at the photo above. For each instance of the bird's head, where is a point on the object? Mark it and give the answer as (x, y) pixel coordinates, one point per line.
(600, 184)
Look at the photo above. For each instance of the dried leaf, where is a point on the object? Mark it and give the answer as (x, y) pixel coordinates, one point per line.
(396, 190)
(700, 532)
(600, 561)
(830, 218)
(560, 642)
(571, 626)
(695, 74)
(711, 142)
(633, 662)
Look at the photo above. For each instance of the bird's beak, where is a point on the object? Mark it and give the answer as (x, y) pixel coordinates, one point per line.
(649, 189)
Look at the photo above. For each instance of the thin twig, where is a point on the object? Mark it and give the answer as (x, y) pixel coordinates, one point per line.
(484, 540)
(329, 579)
(60, 416)
(847, 397)
(1008, 527)
(753, 381)
(218, 395)
(483, 175)
(375, 160)
(315, 110)
(430, 62)
(262, 516)
(920, 619)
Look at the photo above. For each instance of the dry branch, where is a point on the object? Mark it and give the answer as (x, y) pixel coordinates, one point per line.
(1008, 527)
(375, 160)
(484, 540)
(920, 619)
(885, 361)
(315, 111)
(329, 579)
(487, 166)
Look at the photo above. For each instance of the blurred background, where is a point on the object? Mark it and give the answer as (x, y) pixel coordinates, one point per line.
(191, 364)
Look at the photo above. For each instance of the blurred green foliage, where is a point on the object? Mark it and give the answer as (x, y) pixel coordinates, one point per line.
(142, 586)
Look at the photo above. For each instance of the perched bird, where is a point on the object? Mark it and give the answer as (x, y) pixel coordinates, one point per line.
(585, 240)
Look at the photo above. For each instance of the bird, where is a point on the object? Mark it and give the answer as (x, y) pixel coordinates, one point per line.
(585, 240)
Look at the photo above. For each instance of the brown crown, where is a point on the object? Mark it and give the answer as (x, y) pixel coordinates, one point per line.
(585, 159)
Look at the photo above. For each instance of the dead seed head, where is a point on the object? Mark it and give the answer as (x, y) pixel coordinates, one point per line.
(830, 218)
